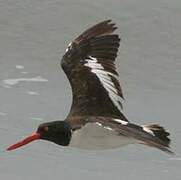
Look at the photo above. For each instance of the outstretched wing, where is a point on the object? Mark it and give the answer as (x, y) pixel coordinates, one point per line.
(89, 66)
(151, 135)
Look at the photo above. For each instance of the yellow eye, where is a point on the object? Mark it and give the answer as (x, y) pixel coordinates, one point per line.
(46, 128)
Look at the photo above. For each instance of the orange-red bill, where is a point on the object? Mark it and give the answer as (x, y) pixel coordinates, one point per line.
(25, 141)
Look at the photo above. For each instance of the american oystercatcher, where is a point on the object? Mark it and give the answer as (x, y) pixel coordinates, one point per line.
(96, 120)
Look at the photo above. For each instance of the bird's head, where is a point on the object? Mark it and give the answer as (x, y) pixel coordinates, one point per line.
(58, 132)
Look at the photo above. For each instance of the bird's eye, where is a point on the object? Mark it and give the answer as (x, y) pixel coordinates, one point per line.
(45, 128)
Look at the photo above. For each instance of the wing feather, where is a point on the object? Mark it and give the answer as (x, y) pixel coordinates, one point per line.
(90, 68)
(151, 138)
(99, 29)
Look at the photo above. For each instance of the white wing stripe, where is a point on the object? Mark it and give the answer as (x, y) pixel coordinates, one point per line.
(103, 72)
(95, 65)
(106, 127)
(111, 87)
(148, 130)
(121, 121)
(105, 79)
(69, 47)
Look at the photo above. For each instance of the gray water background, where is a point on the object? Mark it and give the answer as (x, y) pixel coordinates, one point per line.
(33, 88)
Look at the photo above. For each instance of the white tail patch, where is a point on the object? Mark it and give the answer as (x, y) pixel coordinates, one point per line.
(105, 79)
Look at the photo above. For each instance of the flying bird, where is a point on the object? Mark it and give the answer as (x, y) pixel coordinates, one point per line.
(96, 119)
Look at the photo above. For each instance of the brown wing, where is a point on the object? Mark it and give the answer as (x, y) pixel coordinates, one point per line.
(153, 135)
(89, 66)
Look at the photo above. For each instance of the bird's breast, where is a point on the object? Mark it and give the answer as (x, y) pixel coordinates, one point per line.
(95, 137)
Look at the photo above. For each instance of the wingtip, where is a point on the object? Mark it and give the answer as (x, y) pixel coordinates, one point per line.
(159, 132)
(99, 29)
(170, 152)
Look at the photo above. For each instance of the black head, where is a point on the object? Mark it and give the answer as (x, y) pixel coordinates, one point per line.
(58, 132)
